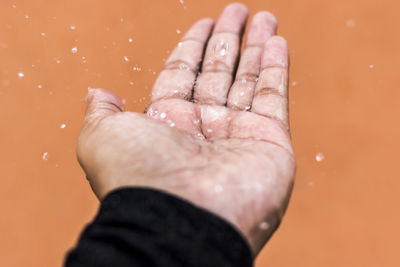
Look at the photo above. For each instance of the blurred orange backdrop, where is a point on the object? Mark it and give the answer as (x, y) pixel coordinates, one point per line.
(343, 104)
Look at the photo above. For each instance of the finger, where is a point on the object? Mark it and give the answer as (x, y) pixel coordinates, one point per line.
(262, 27)
(221, 56)
(271, 96)
(101, 103)
(179, 74)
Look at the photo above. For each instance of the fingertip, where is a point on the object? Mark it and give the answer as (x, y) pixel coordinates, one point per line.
(262, 27)
(266, 16)
(233, 18)
(276, 52)
(237, 6)
(206, 21)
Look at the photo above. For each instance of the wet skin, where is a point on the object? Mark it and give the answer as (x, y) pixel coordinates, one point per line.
(216, 132)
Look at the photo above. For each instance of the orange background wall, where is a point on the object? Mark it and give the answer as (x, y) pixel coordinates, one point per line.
(344, 103)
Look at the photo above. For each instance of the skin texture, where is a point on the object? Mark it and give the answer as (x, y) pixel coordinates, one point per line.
(216, 130)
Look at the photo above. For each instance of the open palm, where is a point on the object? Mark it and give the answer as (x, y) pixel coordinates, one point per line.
(214, 134)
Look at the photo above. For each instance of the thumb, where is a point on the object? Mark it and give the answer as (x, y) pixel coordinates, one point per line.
(101, 103)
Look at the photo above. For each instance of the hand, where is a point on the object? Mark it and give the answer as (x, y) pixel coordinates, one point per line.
(216, 137)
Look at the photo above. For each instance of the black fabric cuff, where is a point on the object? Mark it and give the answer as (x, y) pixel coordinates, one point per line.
(146, 227)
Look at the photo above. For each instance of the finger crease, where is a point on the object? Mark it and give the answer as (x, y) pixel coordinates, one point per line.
(225, 32)
(217, 66)
(268, 91)
(256, 45)
(179, 65)
(247, 77)
(278, 66)
(175, 96)
(272, 117)
(107, 106)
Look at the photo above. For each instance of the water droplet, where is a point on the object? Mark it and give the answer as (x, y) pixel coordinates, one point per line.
(45, 156)
(371, 66)
(241, 93)
(319, 157)
(163, 115)
(26, 17)
(181, 1)
(130, 40)
(58, 61)
(43, 34)
(72, 27)
(264, 226)
(180, 44)
(183, 66)
(21, 74)
(74, 50)
(62, 126)
(218, 188)
(131, 83)
(171, 123)
(224, 48)
(247, 108)
(126, 58)
(178, 31)
(350, 23)
(196, 121)
(83, 60)
(294, 83)
(40, 86)
(209, 130)
(137, 68)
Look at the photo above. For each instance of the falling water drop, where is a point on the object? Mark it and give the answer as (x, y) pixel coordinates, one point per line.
(319, 157)
(74, 50)
(21, 74)
(45, 156)
(350, 23)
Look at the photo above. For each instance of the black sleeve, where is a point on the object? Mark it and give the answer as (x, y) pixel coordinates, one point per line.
(140, 227)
